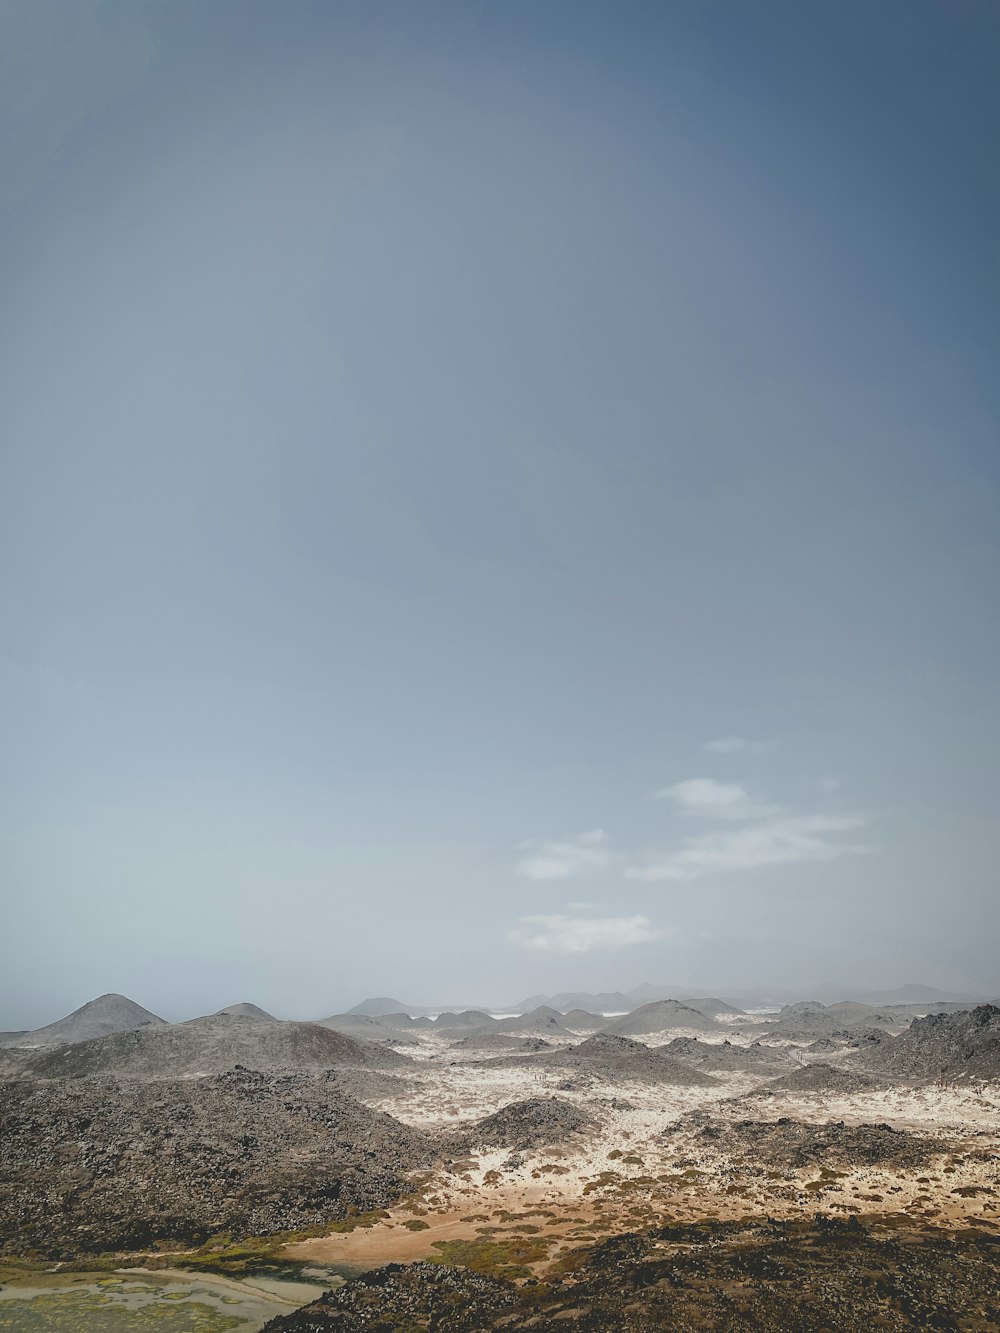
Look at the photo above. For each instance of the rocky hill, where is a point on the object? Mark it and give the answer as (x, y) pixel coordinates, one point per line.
(378, 1005)
(661, 1016)
(402, 1022)
(724, 1056)
(824, 1078)
(245, 1010)
(713, 1008)
(362, 1026)
(540, 1022)
(97, 1164)
(97, 1018)
(540, 1122)
(788, 1143)
(809, 1020)
(468, 1021)
(210, 1046)
(494, 1043)
(618, 1059)
(952, 1046)
(579, 1020)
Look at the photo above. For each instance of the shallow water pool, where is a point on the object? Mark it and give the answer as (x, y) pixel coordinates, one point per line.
(159, 1303)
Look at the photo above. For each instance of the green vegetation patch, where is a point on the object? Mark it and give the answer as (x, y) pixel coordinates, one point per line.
(239, 1258)
(496, 1258)
(96, 1312)
(354, 1220)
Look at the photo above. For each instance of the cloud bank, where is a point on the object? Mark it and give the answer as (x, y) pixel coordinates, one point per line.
(748, 835)
(786, 840)
(562, 934)
(556, 859)
(734, 745)
(706, 798)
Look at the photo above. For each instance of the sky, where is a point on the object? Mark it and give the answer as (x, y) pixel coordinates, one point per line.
(496, 498)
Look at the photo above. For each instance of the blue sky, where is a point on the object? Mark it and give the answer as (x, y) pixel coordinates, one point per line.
(496, 497)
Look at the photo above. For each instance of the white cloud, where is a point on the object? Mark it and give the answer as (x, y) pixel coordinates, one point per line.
(786, 840)
(568, 934)
(733, 745)
(584, 854)
(707, 798)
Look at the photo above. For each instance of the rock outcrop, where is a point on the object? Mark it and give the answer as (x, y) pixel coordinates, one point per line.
(97, 1164)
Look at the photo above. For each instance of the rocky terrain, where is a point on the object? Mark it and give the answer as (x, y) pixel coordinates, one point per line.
(793, 1144)
(540, 1022)
(540, 1122)
(802, 1023)
(209, 1046)
(97, 1018)
(744, 1277)
(97, 1164)
(580, 1020)
(661, 1016)
(823, 1078)
(713, 1008)
(496, 1043)
(486, 1161)
(608, 1056)
(948, 1046)
(725, 1056)
(245, 1010)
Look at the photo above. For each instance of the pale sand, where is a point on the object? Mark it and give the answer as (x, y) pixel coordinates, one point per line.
(589, 1189)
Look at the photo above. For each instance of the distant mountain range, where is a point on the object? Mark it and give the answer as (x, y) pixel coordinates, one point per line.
(380, 1016)
(593, 1001)
(743, 998)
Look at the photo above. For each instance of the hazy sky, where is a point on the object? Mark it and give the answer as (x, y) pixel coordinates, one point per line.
(496, 497)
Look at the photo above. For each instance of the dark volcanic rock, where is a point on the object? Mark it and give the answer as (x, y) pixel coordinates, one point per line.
(861, 1038)
(955, 1047)
(809, 1020)
(406, 1296)
(539, 1122)
(603, 1044)
(612, 1057)
(618, 1059)
(823, 1078)
(496, 1042)
(823, 1045)
(94, 1164)
(210, 1046)
(725, 1056)
(757, 1277)
(796, 1144)
(373, 1084)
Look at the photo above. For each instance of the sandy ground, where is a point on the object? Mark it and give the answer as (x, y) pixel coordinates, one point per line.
(635, 1170)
